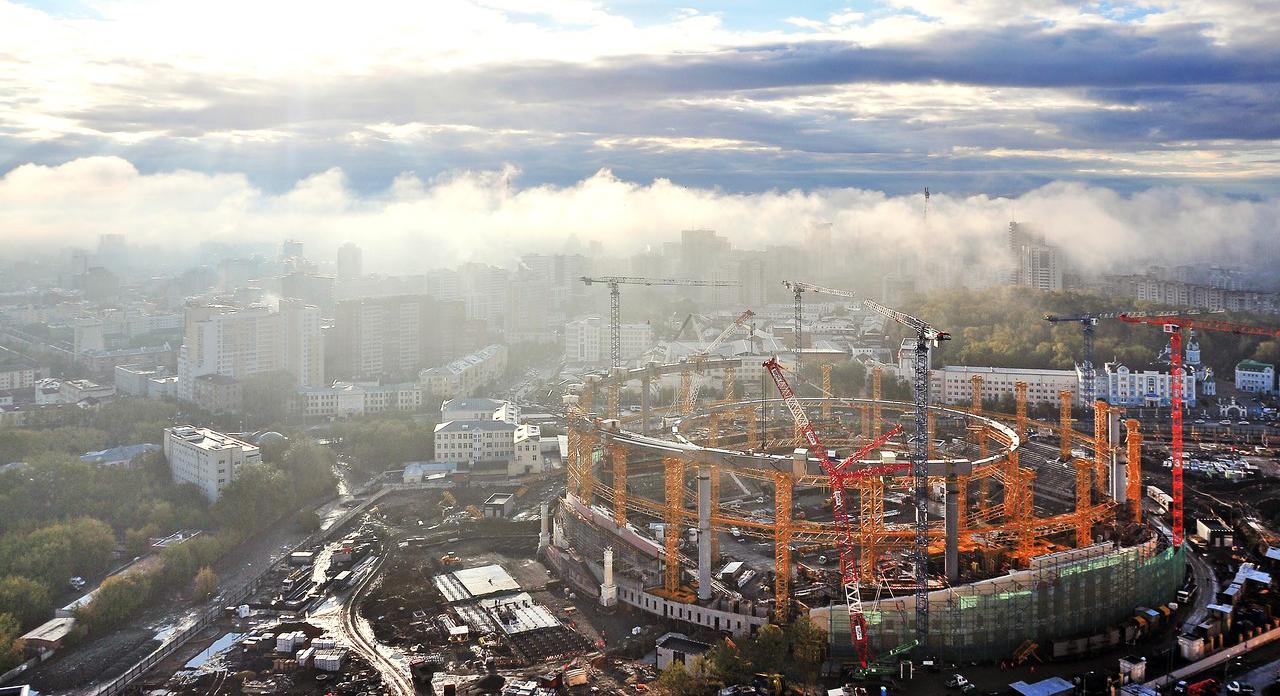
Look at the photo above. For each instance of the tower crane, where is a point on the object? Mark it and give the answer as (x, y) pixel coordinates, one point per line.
(799, 287)
(615, 302)
(1173, 325)
(1087, 375)
(702, 355)
(838, 475)
(926, 338)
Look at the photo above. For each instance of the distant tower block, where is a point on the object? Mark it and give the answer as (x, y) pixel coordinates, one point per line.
(608, 590)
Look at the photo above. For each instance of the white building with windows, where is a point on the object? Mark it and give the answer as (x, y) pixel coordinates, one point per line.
(243, 342)
(462, 377)
(347, 399)
(479, 409)
(473, 442)
(1255, 376)
(587, 340)
(1120, 386)
(206, 458)
(954, 384)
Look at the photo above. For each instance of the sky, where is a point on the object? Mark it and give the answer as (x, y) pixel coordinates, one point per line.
(246, 106)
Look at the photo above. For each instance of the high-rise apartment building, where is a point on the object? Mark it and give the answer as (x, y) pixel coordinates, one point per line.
(1036, 264)
(395, 336)
(350, 261)
(242, 342)
(587, 340)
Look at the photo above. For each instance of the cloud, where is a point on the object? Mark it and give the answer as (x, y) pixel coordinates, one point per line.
(417, 224)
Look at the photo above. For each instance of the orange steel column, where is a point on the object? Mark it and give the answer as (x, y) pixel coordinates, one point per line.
(753, 426)
(611, 400)
(1064, 423)
(573, 466)
(728, 384)
(1133, 469)
(686, 386)
(870, 523)
(674, 474)
(865, 410)
(782, 489)
(619, 454)
(586, 467)
(1101, 447)
(1020, 408)
(976, 395)
(875, 406)
(713, 429)
(1084, 501)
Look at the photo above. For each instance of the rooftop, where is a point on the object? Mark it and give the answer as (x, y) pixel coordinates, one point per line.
(1254, 366)
(682, 643)
(469, 426)
(205, 438)
(472, 404)
(471, 583)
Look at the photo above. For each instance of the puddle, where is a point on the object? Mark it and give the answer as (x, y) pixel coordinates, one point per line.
(216, 647)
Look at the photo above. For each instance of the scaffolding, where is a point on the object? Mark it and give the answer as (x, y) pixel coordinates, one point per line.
(1133, 469)
(782, 483)
(619, 455)
(673, 468)
(1064, 423)
(1101, 447)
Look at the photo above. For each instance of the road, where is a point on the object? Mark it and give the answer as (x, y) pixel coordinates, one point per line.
(358, 632)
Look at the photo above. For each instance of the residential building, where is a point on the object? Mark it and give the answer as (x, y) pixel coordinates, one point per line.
(1120, 386)
(346, 399)
(1255, 376)
(473, 442)
(1037, 264)
(74, 391)
(208, 459)
(217, 393)
(395, 336)
(136, 380)
(587, 340)
(243, 342)
(462, 377)
(19, 376)
(953, 384)
(350, 261)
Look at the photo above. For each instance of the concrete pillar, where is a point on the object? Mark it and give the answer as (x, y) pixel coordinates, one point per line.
(608, 590)
(704, 532)
(544, 535)
(953, 529)
(646, 383)
(799, 462)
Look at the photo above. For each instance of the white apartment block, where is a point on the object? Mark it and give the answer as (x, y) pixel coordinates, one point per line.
(1255, 376)
(18, 377)
(470, 442)
(243, 342)
(1120, 386)
(462, 377)
(206, 458)
(136, 380)
(346, 399)
(953, 385)
(587, 340)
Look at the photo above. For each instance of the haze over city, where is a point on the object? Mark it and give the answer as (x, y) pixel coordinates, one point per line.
(585, 347)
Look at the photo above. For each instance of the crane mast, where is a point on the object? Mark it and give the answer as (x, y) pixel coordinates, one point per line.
(615, 302)
(1173, 325)
(702, 354)
(838, 476)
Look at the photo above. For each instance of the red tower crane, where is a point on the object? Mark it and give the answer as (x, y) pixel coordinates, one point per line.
(1173, 325)
(838, 475)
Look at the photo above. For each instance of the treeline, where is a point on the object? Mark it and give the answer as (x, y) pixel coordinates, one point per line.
(388, 441)
(61, 517)
(794, 652)
(1005, 327)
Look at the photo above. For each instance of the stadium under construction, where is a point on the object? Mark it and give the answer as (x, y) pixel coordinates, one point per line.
(1043, 544)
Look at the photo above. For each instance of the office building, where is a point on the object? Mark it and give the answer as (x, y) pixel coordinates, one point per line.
(587, 340)
(347, 399)
(206, 458)
(1036, 264)
(953, 384)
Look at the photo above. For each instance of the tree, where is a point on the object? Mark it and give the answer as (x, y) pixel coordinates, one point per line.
(24, 599)
(679, 680)
(205, 584)
(267, 397)
(117, 599)
(310, 466)
(11, 649)
(260, 494)
(308, 521)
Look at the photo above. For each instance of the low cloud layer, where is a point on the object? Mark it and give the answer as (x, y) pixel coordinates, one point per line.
(490, 216)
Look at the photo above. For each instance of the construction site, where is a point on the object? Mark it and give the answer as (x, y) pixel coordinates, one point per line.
(895, 525)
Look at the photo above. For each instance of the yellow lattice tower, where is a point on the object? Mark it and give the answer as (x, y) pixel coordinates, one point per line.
(686, 386)
(753, 427)
(984, 442)
(674, 506)
(1084, 534)
(1133, 469)
(1064, 423)
(574, 465)
(975, 394)
(586, 465)
(619, 455)
(782, 489)
(875, 405)
(1101, 447)
(870, 523)
(984, 496)
(713, 429)
(865, 412)
(611, 400)
(586, 396)
(729, 384)
(826, 391)
(1025, 512)
(715, 510)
